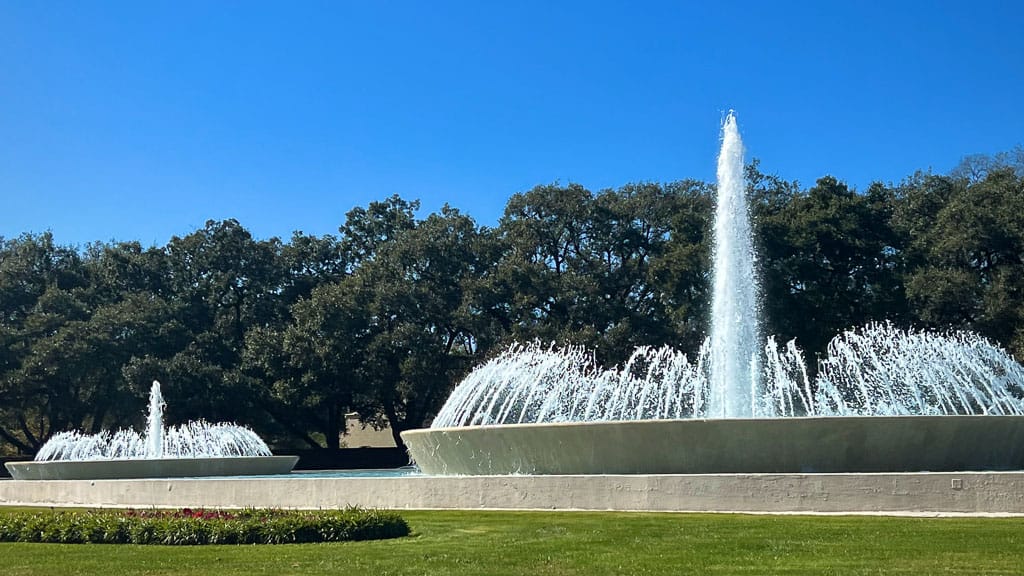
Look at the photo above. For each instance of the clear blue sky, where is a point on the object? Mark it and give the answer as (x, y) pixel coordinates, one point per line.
(141, 120)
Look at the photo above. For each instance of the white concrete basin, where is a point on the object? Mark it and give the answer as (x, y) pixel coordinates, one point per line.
(716, 446)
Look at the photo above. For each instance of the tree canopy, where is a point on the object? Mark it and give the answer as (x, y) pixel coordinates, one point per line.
(387, 316)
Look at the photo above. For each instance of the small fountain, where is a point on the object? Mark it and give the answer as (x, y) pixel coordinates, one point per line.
(884, 399)
(192, 449)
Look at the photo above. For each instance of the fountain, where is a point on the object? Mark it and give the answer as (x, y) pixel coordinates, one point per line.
(884, 399)
(734, 318)
(906, 417)
(193, 449)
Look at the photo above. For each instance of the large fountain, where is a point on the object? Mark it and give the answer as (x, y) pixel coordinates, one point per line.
(193, 449)
(883, 400)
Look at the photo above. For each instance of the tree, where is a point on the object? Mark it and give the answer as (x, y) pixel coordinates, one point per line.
(831, 262)
(611, 271)
(976, 167)
(315, 365)
(541, 276)
(367, 230)
(308, 262)
(38, 281)
(72, 348)
(224, 283)
(74, 376)
(425, 324)
(681, 274)
(967, 243)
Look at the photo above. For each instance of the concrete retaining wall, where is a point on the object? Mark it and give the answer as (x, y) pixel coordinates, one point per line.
(967, 493)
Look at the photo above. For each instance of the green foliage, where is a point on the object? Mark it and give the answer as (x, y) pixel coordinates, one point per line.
(966, 253)
(831, 254)
(388, 315)
(195, 527)
(602, 270)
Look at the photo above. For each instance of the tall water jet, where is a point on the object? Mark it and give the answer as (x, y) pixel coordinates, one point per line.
(735, 339)
(155, 423)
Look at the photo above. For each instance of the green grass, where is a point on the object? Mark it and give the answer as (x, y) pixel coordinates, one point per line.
(583, 543)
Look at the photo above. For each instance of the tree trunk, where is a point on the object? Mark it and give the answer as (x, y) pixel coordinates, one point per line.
(397, 427)
(13, 440)
(298, 432)
(334, 427)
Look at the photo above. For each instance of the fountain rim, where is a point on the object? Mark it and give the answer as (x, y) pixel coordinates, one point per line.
(162, 458)
(758, 419)
(139, 468)
(822, 444)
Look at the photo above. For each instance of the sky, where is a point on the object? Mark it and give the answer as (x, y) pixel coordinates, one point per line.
(133, 120)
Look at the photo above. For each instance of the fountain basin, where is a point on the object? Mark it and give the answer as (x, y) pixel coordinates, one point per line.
(720, 446)
(151, 468)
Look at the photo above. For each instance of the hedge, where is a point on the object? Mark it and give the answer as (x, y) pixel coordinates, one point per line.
(192, 527)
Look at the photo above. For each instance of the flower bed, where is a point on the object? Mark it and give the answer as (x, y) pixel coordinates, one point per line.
(198, 526)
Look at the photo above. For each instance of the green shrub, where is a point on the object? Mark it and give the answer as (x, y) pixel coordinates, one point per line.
(194, 527)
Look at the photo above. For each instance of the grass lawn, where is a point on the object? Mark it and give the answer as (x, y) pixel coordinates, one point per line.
(584, 543)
